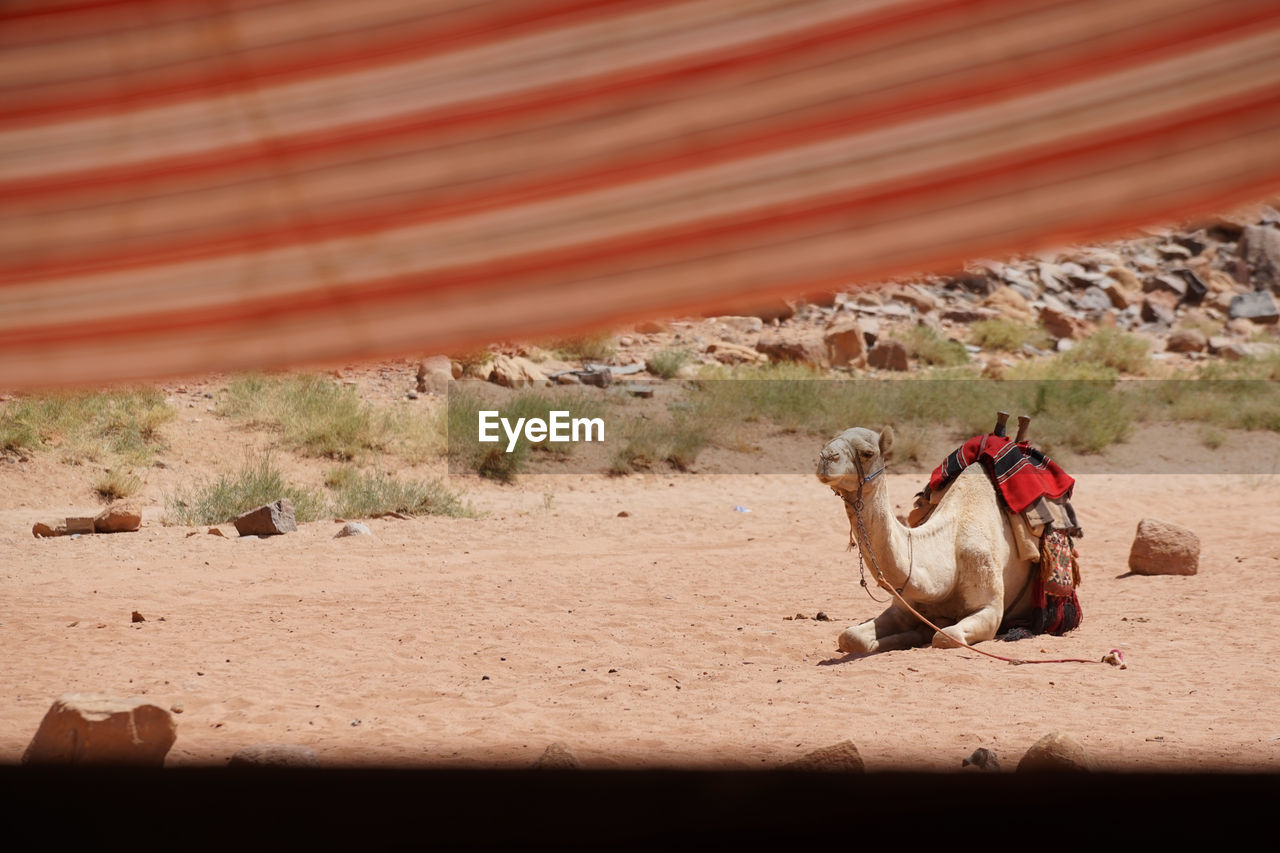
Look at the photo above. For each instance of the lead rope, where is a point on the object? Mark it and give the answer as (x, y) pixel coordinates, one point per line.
(1113, 657)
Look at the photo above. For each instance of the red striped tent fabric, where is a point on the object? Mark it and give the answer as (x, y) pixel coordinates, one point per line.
(224, 184)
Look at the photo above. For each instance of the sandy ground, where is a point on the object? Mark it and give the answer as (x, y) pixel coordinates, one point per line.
(659, 638)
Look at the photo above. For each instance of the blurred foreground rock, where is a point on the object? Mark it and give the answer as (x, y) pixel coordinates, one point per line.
(94, 728)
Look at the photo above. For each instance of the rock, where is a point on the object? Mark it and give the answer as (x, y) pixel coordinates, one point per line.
(742, 324)
(40, 530)
(274, 755)
(557, 756)
(1121, 297)
(137, 617)
(982, 759)
(514, 371)
(79, 524)
(1063, 324)
(888, 354)
(1260, 248)
(1196, 289)
(842, 757)
(434, 374)
(1010, 304)
(1125, 277)
(1158, 308)
(800, 351)
(964, 314)
(1056, 753)
(353, 528)
(919, 299)
(268, 520)
(1163, 548)
(650, 327)
(1166, 284)
(1258, 306)
(727, 353)
(846, 344)
(1095, 300)
(1186, 340)
(121, 518)
(93, 728)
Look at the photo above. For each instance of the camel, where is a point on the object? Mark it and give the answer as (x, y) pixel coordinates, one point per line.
(960, 568)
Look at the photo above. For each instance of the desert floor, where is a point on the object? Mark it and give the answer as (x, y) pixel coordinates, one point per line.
(658, 638)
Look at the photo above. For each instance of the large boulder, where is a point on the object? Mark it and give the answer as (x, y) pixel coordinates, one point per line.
(797, 350)
(889, 354)
(1056, 753)
(1163, 548)
(94, 728)
(846, 344)
(434, 374)
(1260, 248)
(120, 518)
(274, 755)
(514, 371)
(268, 520)
(842, 757)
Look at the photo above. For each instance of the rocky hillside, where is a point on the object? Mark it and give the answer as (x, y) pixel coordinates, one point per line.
(1193, 293)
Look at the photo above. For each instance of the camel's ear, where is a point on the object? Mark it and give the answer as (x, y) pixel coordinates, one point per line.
(886, 442)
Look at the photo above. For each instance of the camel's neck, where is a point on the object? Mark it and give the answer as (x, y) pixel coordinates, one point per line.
(886, 546)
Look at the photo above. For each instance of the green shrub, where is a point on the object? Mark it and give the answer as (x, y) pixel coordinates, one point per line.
(668, 362)
(121, 424)
(931, 348)
(1112, 348)
(365, 495)
(257, 482)
(491, 459)
(1003, 334)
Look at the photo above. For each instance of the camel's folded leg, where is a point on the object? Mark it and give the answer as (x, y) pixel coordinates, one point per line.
(973, 628)
(892, 630)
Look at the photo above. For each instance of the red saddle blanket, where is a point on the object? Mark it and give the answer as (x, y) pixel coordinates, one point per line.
(1022, 474)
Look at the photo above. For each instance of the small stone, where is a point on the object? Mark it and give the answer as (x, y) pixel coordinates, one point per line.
(888, 354)
(268, 520)
(213, 531)
(1164, 548)
(982, 759)
(138, 617)
(842, 757)
(624, 514)
(557, 756)
(93, 728)
(274, 755)
(177, 708)
(40, 530)
(353, 528)
(120, 518)
(1056, 753)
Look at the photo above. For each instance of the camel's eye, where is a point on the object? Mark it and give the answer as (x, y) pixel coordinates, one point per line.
(867, 454)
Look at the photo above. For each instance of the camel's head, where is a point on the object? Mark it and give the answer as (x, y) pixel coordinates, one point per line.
(840, 460)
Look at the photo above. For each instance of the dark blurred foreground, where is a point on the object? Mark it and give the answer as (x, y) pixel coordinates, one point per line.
(364, 808)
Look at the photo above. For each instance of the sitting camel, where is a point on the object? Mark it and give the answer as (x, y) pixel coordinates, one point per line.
(960, 568)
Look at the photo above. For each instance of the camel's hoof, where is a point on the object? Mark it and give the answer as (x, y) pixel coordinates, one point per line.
(849, 643)
(943, 640)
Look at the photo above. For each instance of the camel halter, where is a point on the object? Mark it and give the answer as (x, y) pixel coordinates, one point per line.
(857, 504)
(1113, 657)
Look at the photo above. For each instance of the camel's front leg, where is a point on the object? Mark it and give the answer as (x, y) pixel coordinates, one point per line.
(892, 630)
(973, 628)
